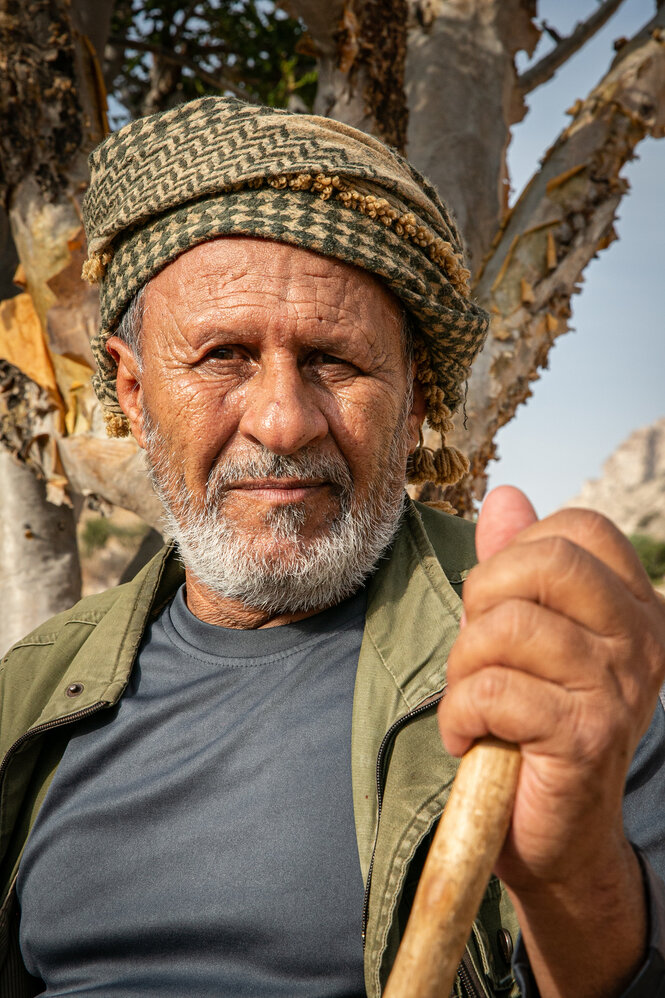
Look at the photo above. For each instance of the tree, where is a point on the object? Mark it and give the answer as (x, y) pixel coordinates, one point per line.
(414, 72)
(241, 47)
(53, 112)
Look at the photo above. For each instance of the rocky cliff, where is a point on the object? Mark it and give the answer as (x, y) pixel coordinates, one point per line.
(631, 489)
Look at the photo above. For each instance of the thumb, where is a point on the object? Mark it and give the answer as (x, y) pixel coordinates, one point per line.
(505, 512)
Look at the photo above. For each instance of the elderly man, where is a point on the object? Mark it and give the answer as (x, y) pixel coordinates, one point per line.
(225, 782)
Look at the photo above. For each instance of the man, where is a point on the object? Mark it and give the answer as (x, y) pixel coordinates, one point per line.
(228, 786)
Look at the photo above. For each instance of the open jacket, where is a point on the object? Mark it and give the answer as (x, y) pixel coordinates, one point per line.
(79, 663)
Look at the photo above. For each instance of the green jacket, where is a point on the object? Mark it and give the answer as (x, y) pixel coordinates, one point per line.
(79, 662)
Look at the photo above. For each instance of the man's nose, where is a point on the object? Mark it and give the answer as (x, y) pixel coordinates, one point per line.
(281, 412)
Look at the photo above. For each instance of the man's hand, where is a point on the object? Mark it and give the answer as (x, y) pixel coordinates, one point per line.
(563, 652)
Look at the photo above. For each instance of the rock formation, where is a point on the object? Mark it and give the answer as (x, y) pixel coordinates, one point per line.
(631, 489)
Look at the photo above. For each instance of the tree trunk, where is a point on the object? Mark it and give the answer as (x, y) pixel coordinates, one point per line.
(8, 259)
(361, 52)
(463, 101)
(563, 218)
(40, 567)
(52, 107)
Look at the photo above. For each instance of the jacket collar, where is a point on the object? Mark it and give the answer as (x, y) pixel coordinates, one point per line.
(413, 613)
(100, 656)
(412, 620)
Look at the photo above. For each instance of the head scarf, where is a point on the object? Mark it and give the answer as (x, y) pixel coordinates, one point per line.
(218, 166)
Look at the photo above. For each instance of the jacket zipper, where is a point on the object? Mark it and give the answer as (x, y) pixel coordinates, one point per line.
(387, 738)
(471, 984)
(47, 726)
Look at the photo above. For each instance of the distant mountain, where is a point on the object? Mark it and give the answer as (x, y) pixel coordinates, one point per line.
(631, 490)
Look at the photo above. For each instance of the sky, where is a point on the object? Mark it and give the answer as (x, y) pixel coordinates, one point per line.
(607, 378)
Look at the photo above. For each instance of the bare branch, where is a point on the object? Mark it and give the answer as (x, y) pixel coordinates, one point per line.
(168, 55)
(562, 219)
(187, 12)
(565, 47)
(113, 470)
(552, 32)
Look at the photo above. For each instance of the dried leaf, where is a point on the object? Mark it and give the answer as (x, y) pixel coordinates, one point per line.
(551, 252)
(22, 343)
(76, 390)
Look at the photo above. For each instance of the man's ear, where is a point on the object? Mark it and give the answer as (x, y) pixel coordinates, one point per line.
(417, 415)
(128, 385)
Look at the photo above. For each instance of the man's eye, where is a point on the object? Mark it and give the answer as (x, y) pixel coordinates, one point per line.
(327, 358)
(222, 353)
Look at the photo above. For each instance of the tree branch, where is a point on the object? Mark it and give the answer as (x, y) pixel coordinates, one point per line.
(168, 55)
(562, 219)
(546, 67)
(113, 470)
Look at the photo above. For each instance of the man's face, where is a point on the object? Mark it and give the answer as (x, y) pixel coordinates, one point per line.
(274, 397)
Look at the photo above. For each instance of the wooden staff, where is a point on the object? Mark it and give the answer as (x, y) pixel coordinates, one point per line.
(458, 866)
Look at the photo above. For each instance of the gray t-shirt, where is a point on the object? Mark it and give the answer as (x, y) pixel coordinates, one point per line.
(198, 839)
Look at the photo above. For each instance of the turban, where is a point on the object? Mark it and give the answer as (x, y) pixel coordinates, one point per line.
(219, 166)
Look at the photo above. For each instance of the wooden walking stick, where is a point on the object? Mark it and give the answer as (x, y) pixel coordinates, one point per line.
(458, 866)
(474, 823)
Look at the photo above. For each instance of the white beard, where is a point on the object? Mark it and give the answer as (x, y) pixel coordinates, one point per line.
(305, 574)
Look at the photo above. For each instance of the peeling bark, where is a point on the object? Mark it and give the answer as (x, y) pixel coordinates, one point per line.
(38, 94)
(361, 52)
(563, 218)
(25, 420)
(52, 110)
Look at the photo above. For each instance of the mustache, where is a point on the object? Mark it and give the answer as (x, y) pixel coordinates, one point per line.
(263, 464)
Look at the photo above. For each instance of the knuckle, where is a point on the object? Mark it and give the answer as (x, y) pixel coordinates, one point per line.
(560, 563)
(652, 656)
(560, 550)
(503, 629)
(587, 522)
(514, 621)
(489, 686)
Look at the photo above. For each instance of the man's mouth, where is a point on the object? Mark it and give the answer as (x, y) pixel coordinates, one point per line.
(279, 489)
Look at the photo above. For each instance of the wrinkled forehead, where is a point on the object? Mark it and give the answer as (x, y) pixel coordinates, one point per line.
(246, 286)
(252, 268)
